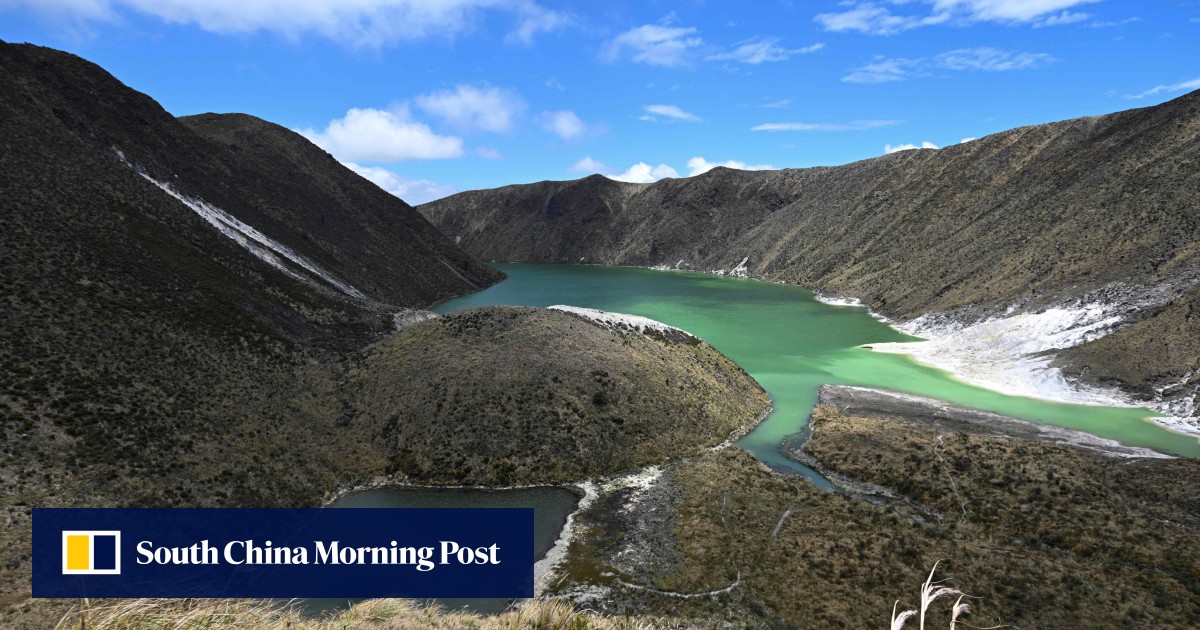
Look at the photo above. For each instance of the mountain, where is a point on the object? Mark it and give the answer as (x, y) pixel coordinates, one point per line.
(178, 297)
(203, 311)
(1103, 209)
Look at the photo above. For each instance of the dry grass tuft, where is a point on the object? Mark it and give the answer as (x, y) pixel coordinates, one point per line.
(375, 614)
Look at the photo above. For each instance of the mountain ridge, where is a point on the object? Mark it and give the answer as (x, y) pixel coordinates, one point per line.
(1097, 209)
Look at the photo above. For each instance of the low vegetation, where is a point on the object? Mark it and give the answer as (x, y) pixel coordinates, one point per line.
(375, 614)
(1042, 535)
(506, 395)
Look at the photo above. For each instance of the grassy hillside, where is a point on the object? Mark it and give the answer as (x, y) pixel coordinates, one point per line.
(505, 395)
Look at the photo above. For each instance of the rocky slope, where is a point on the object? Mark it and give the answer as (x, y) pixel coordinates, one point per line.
(165, 291)
(1099, 210)
(505, 395)
(176, 307)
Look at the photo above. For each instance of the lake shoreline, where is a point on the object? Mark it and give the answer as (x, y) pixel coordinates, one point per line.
(930, 412)
(1034, 374)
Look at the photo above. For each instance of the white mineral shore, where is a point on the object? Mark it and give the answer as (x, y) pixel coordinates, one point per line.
(620, 321)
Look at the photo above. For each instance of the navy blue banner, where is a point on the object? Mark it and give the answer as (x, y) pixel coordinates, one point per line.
(375, 552)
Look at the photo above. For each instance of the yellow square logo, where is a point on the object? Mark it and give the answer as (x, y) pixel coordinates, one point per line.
(91, 552)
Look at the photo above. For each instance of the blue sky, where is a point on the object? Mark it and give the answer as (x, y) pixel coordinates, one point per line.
(431, 97)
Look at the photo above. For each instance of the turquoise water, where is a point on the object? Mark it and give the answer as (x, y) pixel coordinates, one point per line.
(792, 344)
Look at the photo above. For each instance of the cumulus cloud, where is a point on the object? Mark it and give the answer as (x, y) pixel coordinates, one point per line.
(1193, 84)
(653, 44)
(375, 135)
(854, 125)
(763, 50)
(413, 191)
(875, 18)
(882, 70)
(698, 166)
(469, 107)
(668, 112)
(564, 124)
(640, 173)
(887, 148)
(643, 173)
(358, 23)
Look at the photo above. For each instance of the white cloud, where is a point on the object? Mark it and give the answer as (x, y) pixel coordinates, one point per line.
(877, 19)
(413, 191)
(1006, 10)
(1128, 20)
(907, 147)
(1066, 17)
(358, 23)
(781, 104)
(991, 60)
(855, 125)
(488, 153)
(763, 50)
(588, 165)
(375, 135)
(653, 44)
(882, 70)
(643, 173)
(669, 112)
(966, 140)
(698, 166)
(1193, 84)
(640, 173)
(468, 107)
(565, 124)
(535, 19)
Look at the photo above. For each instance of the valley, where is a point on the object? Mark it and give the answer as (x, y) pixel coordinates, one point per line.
(764, 399)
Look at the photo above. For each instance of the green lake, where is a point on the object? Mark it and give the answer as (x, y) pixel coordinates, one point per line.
(792, 344)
